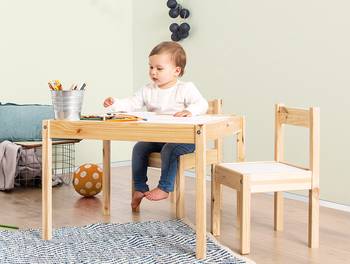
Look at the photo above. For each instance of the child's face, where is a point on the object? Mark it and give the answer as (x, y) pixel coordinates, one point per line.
(163, 71)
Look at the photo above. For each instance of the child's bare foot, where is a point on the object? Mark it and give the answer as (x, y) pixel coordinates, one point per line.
(136, 199)
(156, 195)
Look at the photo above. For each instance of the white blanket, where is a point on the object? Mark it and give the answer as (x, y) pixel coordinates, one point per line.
(8, 162)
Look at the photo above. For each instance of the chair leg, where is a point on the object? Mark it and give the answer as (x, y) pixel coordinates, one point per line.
(180, 192)
(215, 204)
(173, 194)
(314, 208)
(137, 209)
(245, 198)
(238, 208)
(278, 211)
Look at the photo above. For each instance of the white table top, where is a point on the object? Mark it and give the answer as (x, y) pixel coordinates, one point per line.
(170, 119)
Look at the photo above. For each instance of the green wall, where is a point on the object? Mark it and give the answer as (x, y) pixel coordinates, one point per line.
(254, 54)
(71, 41)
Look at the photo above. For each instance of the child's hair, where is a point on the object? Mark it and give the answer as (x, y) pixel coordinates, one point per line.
(176, 51)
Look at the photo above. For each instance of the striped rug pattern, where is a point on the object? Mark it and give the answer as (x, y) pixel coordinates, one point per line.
(149, 242)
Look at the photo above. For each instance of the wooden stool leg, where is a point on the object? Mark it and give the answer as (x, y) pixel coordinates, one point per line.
(180, 191)
(245, 216)
(314, 214)
(215, 203)
(278, 211)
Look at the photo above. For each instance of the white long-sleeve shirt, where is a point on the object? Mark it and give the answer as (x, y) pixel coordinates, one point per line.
(182, 96)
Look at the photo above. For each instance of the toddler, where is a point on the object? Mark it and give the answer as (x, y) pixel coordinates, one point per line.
(164, 94)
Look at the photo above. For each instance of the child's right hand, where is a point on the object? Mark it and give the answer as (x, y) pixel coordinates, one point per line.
(108, 102)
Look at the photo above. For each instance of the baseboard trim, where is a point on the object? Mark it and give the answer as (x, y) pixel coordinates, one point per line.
(287, 195)
(323, 203)
(121, 163)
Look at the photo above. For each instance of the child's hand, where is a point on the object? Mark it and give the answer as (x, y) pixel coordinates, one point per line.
(108, 102)
(183, 113)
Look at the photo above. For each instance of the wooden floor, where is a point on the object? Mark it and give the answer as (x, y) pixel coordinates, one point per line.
(22, 207)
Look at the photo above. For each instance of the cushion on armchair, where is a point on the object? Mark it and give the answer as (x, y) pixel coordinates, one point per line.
(22, 122)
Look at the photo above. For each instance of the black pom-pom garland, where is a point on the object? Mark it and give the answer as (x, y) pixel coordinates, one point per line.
(175, 36)
(183, 35)
(184, 13)
(174, 27)
(171, 3)
(184, 27)
(174, 12)
(178, 32)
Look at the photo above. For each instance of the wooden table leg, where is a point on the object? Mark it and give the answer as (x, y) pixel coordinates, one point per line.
(106, 180)
(200, 152)
(46, 182)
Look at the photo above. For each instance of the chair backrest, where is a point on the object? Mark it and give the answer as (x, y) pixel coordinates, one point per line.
(309, 118)
(215, 106)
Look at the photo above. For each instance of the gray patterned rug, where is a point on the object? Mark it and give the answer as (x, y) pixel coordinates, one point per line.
(145, 242)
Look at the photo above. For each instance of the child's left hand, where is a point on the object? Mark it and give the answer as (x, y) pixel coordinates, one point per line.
(183, 113)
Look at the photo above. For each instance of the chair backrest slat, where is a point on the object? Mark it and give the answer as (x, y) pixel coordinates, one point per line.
(294, 116)
(215, 107)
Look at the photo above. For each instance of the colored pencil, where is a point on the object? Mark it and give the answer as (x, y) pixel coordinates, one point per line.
(9, 226)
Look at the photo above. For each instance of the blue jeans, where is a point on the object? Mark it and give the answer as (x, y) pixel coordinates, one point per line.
(169, 153)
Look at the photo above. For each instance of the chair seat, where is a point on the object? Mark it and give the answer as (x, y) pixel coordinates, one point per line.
(154, 155)
(269, 175)
(188, 160)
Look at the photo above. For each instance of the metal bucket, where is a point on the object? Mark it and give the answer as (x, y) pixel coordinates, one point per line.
(67, 104)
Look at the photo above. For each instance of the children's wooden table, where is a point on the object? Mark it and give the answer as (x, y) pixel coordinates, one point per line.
(197, 130)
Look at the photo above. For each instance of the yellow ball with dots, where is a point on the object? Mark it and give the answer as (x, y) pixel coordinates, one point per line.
(87, 179)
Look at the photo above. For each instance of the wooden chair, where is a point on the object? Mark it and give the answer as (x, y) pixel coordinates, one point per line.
(186, 162)
(273, 176)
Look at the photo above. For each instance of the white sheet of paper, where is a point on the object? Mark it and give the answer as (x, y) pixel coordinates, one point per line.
(169, 119)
